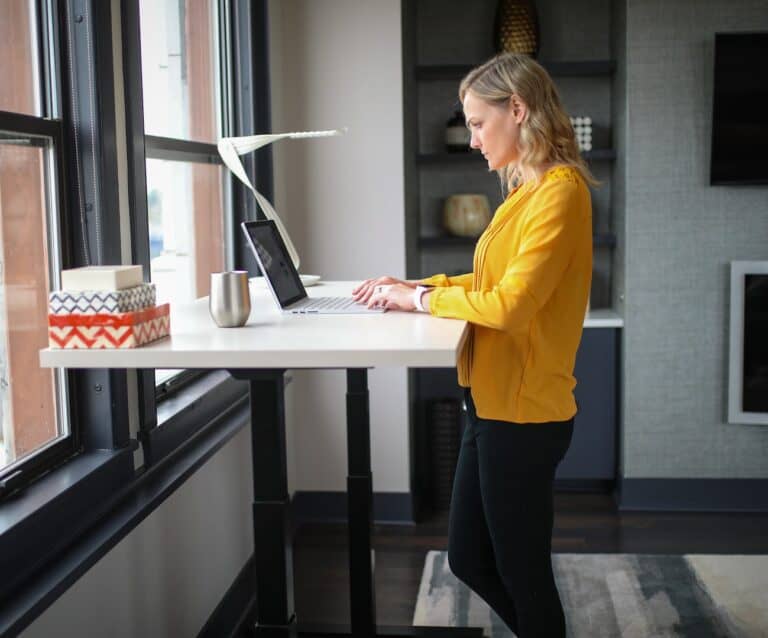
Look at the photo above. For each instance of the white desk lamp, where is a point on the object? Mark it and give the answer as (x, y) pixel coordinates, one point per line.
(230, 148)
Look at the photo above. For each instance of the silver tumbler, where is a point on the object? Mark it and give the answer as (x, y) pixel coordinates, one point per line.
(230, 300)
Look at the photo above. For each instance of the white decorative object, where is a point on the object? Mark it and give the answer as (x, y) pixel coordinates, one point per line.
(740, 270)
(101, 278)
(230, 148)
(457, 135)
(306, 280)
(582, 126)
(91, 302)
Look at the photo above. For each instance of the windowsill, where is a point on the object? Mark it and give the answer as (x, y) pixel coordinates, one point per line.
(103, 512)
(43, 493)
(17, 509)
(48, 514)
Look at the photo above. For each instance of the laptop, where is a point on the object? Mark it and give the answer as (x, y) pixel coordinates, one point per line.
(283, 279)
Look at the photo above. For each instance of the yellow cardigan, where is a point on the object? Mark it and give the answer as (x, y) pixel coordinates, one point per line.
(525, 301)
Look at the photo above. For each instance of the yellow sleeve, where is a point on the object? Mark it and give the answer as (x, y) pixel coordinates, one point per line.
(557, 219)
(442, 281)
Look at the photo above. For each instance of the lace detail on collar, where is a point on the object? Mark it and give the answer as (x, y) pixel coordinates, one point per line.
(566, 173)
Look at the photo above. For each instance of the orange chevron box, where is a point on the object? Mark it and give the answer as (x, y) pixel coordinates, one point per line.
(118, 330)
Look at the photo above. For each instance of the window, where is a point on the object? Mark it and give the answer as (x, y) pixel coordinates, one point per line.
(19, 65)
(34, 418)
(185, 213)
(183, 107)
(179, 59)
(60, 56)
(29, 395)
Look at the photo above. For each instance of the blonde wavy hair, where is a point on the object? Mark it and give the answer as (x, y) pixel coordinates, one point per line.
(546, 134)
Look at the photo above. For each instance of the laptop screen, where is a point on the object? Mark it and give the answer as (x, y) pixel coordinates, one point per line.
(275, 263)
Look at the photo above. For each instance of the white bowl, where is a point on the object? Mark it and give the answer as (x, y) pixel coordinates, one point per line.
(307, 280)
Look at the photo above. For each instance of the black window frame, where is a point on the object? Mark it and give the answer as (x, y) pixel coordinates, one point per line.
(19, 474)
(51, 507)
(59, 525)
(47, 125)
(162, 428)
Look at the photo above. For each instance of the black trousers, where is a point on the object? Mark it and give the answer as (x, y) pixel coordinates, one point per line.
(500, 526)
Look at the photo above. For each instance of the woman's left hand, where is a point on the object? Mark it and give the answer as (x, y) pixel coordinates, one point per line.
(392, 297)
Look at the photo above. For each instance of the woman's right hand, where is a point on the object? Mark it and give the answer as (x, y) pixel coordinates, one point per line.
(363, 292)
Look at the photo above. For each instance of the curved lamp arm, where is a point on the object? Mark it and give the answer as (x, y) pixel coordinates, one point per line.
(230, 149)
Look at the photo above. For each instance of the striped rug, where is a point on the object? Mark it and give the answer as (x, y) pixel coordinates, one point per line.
(623, 596)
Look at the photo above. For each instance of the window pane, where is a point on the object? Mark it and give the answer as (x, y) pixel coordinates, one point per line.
(19, 87)
(27, 391)
(186, 230)
(186, 227)
(178, 64)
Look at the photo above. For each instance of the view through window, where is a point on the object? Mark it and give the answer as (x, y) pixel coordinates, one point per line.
(29, 400)
(181, 86)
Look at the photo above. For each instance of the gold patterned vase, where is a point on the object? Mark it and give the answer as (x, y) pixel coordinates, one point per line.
(517, 27)
(466, 214)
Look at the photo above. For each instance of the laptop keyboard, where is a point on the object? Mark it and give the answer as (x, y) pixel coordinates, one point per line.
(330, 303)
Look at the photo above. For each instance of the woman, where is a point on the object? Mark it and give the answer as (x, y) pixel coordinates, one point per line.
(525, 301)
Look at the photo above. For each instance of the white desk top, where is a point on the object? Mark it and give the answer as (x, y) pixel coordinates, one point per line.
(271, 339)
(603, 318)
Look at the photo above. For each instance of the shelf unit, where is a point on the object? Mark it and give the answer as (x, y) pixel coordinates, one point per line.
(435, 61)
(442, 42)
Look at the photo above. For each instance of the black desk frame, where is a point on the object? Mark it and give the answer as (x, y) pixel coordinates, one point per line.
(275, 615)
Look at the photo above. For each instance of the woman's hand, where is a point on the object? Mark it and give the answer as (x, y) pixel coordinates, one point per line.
(363, 292)
(393, 297)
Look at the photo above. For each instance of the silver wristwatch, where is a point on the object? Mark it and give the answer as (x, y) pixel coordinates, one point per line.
(417, 294)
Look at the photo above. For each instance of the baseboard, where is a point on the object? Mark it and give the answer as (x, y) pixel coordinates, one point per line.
(331, 507)
(584, 485)
(692, 495)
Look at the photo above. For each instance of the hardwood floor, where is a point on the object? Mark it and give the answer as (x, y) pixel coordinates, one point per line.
(584, 523)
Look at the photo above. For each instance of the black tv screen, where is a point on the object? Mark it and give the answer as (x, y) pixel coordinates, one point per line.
(740, 109)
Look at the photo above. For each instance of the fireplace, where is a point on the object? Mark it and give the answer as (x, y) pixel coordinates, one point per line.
(748, 353)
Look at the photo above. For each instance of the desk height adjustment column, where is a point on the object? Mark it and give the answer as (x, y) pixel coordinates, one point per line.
(273, 555)
(360, 505)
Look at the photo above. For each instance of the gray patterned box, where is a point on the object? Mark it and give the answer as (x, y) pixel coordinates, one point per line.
(93, 302)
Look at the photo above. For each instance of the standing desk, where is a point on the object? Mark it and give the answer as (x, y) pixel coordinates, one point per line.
(261, 352)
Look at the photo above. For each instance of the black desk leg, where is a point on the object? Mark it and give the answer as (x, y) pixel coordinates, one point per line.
(273, 551)
(360, 503)
(273, 563)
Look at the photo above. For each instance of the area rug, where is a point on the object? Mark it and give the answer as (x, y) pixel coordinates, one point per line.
(622, 596)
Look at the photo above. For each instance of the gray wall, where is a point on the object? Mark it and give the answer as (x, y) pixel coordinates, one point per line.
(679, 235)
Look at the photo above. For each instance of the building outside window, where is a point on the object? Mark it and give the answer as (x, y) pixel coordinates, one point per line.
(32, 399)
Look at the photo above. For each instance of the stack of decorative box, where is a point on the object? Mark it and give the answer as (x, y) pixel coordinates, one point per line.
(105, 307)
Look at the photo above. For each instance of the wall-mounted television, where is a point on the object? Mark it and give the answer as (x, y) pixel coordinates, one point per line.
(740, 109)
